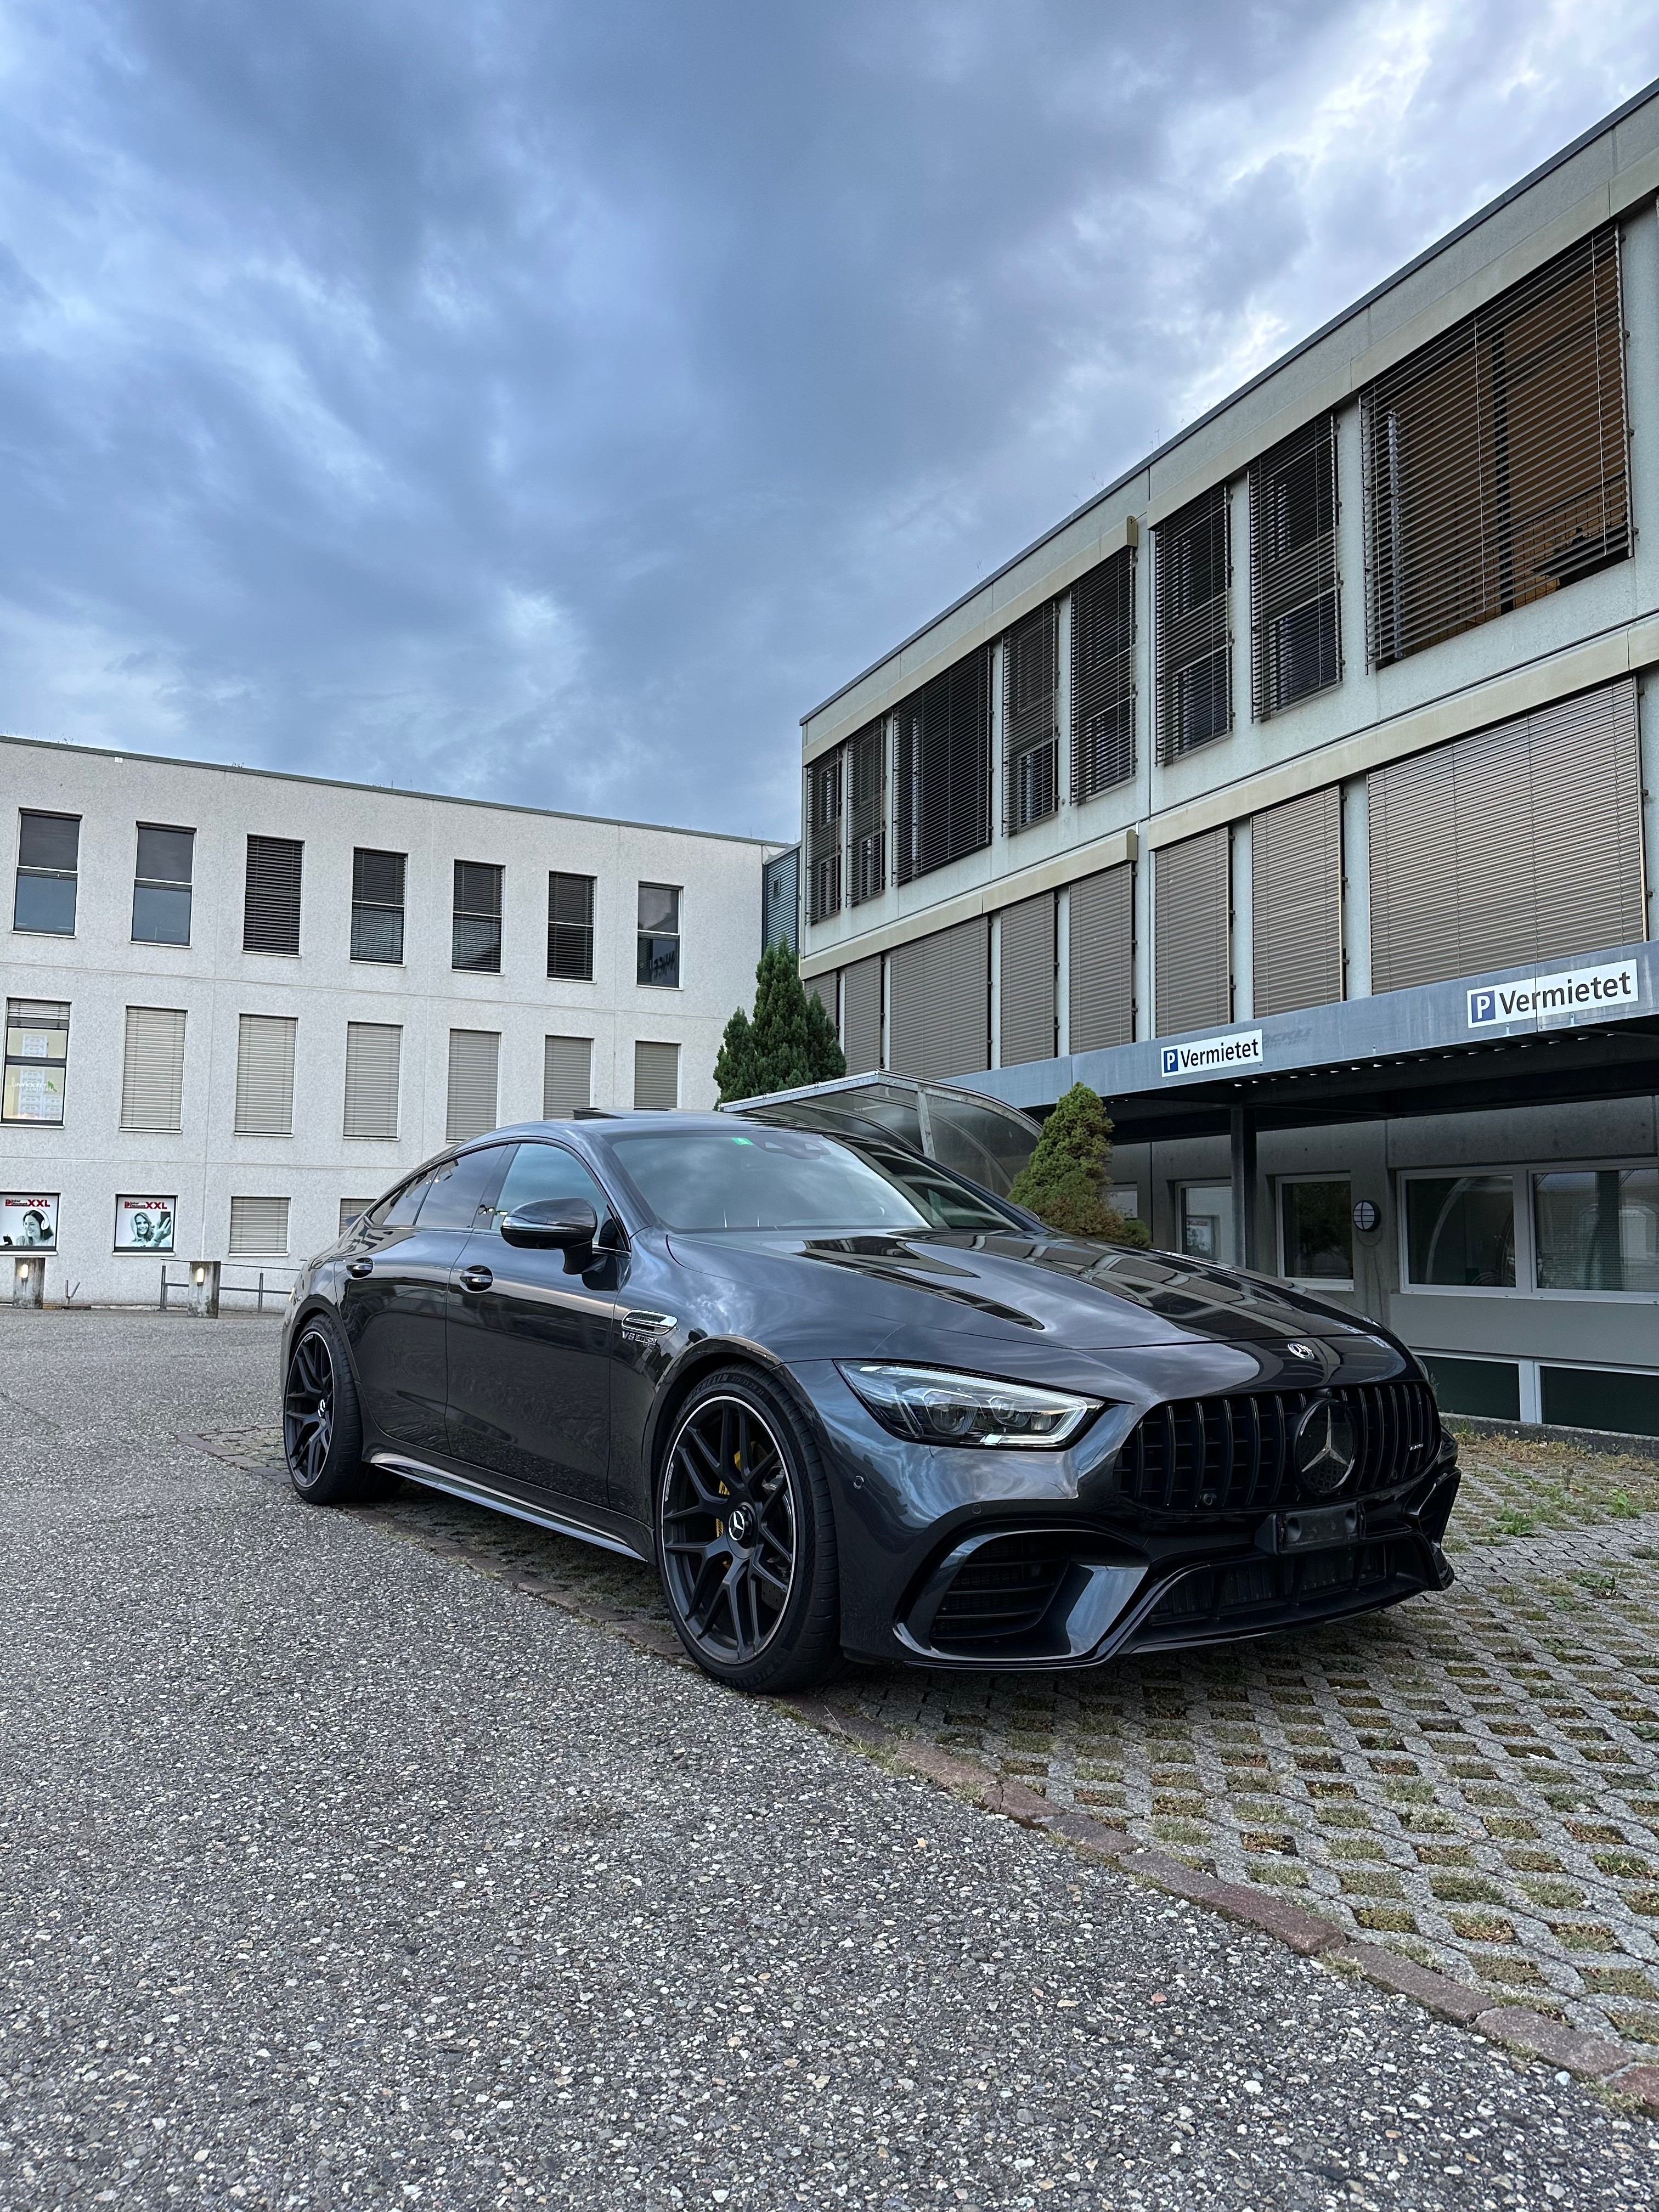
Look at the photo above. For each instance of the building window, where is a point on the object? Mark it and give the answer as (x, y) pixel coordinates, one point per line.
(1103, 677)
(160, 885)
(1460, 1231)
(1192, 577)
(1496, 461)
(37, 1055)
(259, 1228)
(264, 1075)
(942, 768)
(656, 1078)
(570, 927)
(477, 930)
(1030, 718)
(825, 786)
(567, 1076)
(866, 806)
(144, 1222)
(352, 1211)
(1315, 1228)
(377, 906)
(270, 900)
(1295, 646)
(1207, 1221)
(474, 1070)
(153, 1069)
(660, 936)
(48, 861)
(28, 1221)
(1597, 1228)
(374, 1060)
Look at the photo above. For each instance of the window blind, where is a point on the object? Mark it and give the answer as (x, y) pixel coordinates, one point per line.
(259, 1228)
(1516, 844)
(477, 943)
(944, 768)
(1026, 981)
(656, 1076)
(1030, 718)
(567, 1076)
(1103, 677)
(264, 1075)
(1295, 645)
(377, 905)
(153, 1068)
(373, 1059)
(1496, 456)
(1296, 904)
(1101, 959)
(939, 1021)
(860, 1014)
(270, 895)
(867, 803)
(570, 927)
(474, 1060)
(822, 988)
(1192, 625)
(1192, 899)
(824, 783)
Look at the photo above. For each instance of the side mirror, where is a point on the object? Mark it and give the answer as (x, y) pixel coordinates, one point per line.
(553, 1225)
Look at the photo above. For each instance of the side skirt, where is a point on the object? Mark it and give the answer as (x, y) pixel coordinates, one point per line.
(478, 1493)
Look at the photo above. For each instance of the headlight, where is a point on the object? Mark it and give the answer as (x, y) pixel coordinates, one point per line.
(933, 1407)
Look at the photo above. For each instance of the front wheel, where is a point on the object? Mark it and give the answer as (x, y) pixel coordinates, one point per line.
(746, 1539)
(322, 1427)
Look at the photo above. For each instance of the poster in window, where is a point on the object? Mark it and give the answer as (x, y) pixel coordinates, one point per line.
(144, 1224)
(28, 1221)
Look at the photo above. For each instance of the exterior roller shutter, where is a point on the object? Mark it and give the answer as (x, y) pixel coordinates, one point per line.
(353, 1209)
(474, 1065)
(825, 785)
(822, 988)
(264, 1075)
(153, 1069)
(259, 1228)
(1192, 629)
(1103, 960)
(1193, 897)
(1026, 993)
(1030, 718)
(1296, 645)
(944, 768)
(867, 804)
(1296, 869)
(1522, 842)
(373, 1056)
(939, 1024)
(270, 899)
(567, 1076)
(861, 1015)
(1103, 677)
(656, 1078)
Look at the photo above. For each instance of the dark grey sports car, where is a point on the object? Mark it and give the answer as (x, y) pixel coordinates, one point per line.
(852, 1405)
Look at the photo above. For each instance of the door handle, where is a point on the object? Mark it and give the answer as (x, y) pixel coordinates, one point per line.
(360, 1267)
(476, 1278)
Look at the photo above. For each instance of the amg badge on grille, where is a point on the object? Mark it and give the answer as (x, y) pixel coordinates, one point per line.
(1324, 1447)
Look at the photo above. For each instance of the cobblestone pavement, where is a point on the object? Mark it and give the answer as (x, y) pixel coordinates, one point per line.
(332, 1874)
(1472, 1779)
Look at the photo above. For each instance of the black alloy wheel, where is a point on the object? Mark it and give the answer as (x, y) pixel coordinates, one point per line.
(745, 1542)
(322, 1427)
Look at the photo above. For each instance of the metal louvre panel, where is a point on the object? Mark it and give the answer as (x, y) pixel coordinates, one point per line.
(153, 1068)
(1026, 995)
(866, 806)
(656, 1078)
(1030, 718)
(1191, 633)
(567, 1076)
(1495, 457)
(825, 786)
(940, 1021)
(1193, 897)
(264, 1075)
(861, 1015)
(570, 926)
(1296, 868)
(374, 1060)
(271, 897)
(1103, 677)
(944, 768)
(258, 1227)
(1522, 842)
(1103, 959)
(474, 1063)
(1295, 639)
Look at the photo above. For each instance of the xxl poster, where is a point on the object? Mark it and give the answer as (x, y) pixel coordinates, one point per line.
(29, 1221)
(144, 1224)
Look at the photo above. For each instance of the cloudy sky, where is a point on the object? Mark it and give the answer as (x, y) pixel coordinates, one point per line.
(549, 400)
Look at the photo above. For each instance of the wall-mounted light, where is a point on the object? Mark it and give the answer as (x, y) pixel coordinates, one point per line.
(22, 1269)
(201, 1274)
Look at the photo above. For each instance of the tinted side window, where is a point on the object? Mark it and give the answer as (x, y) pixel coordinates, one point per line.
(544, 1171)
(460, 1188)
(399, 1212)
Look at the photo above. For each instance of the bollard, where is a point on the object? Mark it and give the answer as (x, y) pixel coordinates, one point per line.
(204, 1302)
(28, 1282)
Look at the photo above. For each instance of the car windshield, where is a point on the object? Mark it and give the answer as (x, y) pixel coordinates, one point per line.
(769, 1178)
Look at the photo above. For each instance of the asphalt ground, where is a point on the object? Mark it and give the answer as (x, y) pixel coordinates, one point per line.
(332, 1872)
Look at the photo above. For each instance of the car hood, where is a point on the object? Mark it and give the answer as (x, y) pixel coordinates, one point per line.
(1086, 1295)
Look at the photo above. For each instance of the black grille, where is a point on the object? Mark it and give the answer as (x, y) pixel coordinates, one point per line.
(1003, 1590)
(1233, 1454)
(1320, 1582)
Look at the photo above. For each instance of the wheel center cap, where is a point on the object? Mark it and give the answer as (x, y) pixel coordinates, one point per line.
(740, 1524)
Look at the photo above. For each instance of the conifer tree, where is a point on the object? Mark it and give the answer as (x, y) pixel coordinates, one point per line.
(1063, 1183)
(790, 1040)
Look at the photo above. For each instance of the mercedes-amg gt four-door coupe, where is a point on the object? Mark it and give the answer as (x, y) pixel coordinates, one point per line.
(853, 1406)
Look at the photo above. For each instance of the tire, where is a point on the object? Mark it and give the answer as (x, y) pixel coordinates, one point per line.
(322, 1423)
(755, 1591)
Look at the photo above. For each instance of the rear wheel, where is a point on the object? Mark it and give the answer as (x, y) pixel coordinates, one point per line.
(746, 1539)
(322, 1427)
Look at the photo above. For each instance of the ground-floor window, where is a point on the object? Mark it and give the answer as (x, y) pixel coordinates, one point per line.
(1315, 1231)
(1207, 1221)
(1587, 1229)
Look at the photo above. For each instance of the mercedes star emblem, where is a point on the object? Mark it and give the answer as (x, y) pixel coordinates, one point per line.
(1323, 1449)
